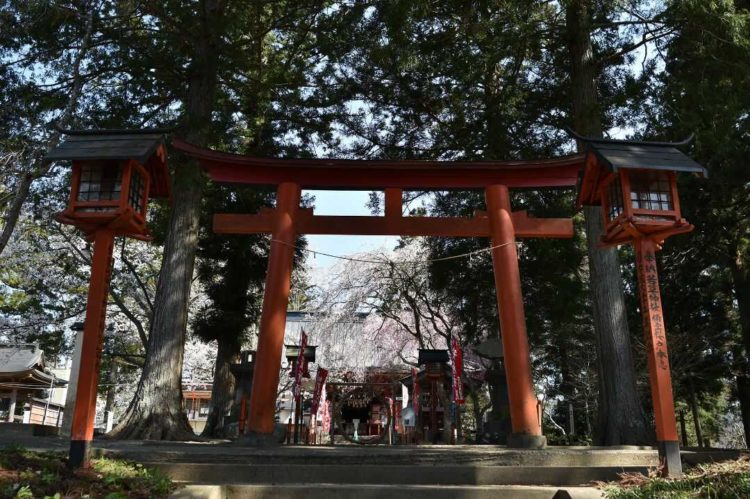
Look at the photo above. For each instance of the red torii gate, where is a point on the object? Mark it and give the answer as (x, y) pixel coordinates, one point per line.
(287, 220)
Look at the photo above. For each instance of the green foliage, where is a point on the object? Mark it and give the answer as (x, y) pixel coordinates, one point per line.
(393, 79)
(28, 474)
(705, 276)
(726, 480)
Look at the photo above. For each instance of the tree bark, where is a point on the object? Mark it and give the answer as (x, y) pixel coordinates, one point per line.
(743, 393)
(222, 393)
(741, 278)
(156, 411)
(696, 415)
(621, 416)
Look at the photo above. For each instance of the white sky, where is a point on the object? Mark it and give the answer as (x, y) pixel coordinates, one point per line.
(340, 203)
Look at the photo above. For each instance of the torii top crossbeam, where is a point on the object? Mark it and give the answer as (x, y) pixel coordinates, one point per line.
(392, 176)
(380, 174)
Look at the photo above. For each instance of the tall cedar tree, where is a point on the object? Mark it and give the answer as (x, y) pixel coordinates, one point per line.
(621, 416)
(232, 269)
(156, 410)
(272, 95)
(704, 90)
(499, 93)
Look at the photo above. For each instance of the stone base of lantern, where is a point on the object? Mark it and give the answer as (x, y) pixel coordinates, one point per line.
(669, 458)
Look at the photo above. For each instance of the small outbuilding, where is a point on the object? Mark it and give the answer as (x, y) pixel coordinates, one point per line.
(27, 386)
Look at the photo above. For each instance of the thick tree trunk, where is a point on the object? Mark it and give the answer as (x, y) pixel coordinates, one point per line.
(696, 415)
(621, 416)
(743, 393)
(156, 410)
(741, 278)
(222, 393)
(566, 386)
(473, 393)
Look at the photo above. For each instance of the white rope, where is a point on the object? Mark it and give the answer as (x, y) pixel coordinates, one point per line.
(393, 262)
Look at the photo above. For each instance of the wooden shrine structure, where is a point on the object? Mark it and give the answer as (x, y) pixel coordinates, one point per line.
(634, 182)
(116, 172)
(288, 220)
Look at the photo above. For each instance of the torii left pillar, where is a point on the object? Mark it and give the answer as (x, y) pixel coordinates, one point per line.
(524, 407)
(273, 316)
(82, 429)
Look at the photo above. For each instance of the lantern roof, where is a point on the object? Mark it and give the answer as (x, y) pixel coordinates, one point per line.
(292, 352)
(604, 156)
(428, 356)
(615, 154)
(144, 146)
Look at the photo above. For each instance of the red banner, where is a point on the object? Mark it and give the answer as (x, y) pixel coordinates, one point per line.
(326, 416)
(299, 366)
(320, 381)
(457, 359)
(415, 405)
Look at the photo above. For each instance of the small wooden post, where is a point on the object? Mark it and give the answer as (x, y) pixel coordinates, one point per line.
(84, 414)
(683, 430)
(658, 357)
(297, 415)
(12, 407)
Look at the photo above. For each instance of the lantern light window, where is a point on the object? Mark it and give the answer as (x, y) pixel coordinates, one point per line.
(100, 182)
(651, 190)
(137, 193)
(614, 192)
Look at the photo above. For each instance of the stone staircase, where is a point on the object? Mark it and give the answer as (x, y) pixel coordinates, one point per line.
(430, 472)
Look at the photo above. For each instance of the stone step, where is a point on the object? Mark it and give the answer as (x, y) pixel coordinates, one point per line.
(444, 475)
(423, 455)
(339, 491)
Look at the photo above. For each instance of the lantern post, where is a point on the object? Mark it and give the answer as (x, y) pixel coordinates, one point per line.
(635, 183)
(434, 362)
(293, 356)
(114, 174)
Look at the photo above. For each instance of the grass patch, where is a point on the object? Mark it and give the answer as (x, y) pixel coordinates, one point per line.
(25, 475)
(724, 480)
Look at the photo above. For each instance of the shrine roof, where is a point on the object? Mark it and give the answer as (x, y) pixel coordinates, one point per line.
(616, 154)
(139, 147)
(427, 356)
(368, 174)
(144, 146)
(24, 365)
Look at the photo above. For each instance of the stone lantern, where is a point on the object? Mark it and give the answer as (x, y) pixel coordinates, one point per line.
(114, 175)
(434, 362)
(293, 356)
(635, 183)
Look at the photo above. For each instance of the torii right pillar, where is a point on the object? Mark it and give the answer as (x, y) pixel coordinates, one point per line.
(524, 407)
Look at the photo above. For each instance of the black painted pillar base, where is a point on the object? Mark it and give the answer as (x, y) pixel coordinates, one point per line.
(274, 439)
(80, 454)
(524, 441)
(669, 458)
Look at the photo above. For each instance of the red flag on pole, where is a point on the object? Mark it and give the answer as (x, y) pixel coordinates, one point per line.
(415, 391)
(457, 361)
(320, 380)
(299, 367)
